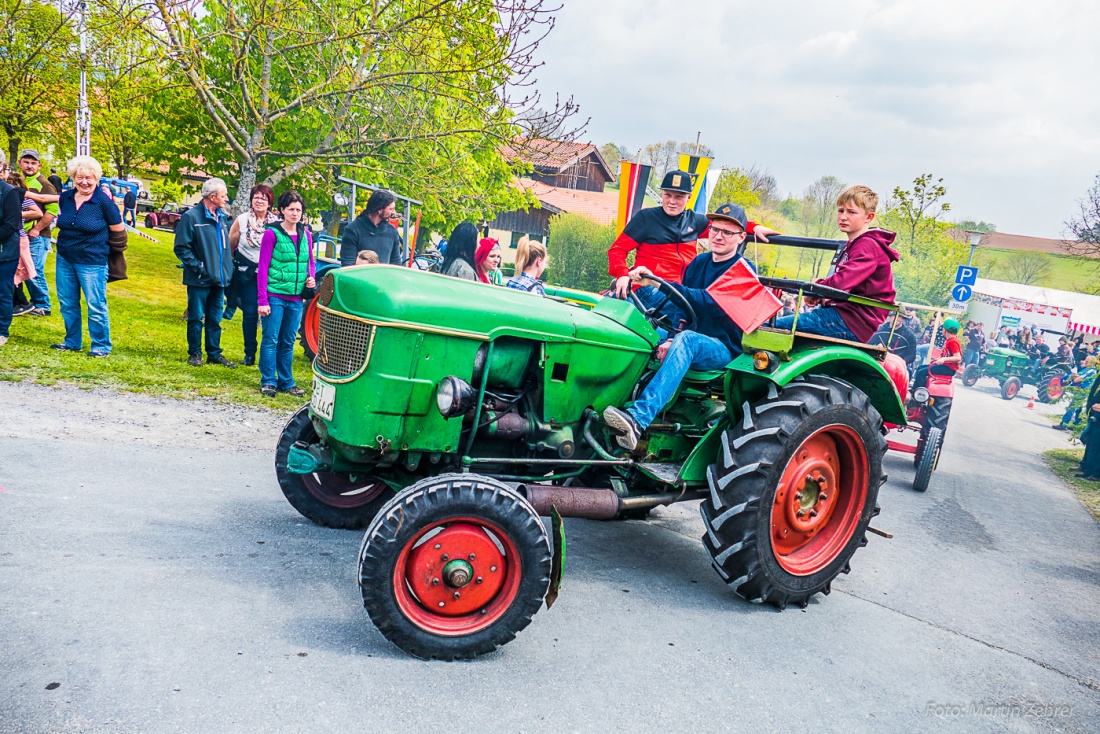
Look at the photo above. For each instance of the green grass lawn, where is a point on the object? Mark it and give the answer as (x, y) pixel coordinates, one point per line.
(150, 340)
(1065, 463)
(1066, 272)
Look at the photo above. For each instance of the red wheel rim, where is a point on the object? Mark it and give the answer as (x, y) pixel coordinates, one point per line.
(819, 500)
(337, 490)
(1054, 388)
(457, 576)
(312, 326)
(1011, 389)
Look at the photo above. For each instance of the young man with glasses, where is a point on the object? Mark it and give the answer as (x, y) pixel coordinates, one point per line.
(665, 239)
(713, 340)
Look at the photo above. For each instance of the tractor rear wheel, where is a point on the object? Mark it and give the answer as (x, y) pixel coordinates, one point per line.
(454, 566)
(327, 498)
(936, 415)
(1050, 387)
(928, 458)
(793, 490)
(1010, 388)
(971, 374)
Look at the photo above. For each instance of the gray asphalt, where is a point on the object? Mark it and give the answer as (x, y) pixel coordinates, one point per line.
(172, 589)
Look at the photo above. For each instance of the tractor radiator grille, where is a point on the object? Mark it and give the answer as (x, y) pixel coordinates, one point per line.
(342, 345)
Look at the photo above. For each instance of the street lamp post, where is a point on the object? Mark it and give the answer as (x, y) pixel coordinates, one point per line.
(83, 114)
(975, 240)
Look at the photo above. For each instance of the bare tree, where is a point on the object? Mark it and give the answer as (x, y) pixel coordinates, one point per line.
(1084, 229)
(1026, 268)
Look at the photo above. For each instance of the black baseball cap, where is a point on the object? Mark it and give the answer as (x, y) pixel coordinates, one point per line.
(731, 213)
(677, 181)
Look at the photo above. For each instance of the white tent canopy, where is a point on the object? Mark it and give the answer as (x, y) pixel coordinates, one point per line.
(1086, 309)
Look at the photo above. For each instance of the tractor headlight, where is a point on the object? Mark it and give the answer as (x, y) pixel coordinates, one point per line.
(454, 396)
(761, 361)
(920, 395)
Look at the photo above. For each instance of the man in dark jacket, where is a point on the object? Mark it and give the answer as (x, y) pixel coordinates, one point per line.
(11, 226)
(713, 340)
(129, 207)
(372, 230)
(202, 245)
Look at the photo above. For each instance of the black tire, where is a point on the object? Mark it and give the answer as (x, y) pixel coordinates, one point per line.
(971, 375)
(936, 415)
(398, 612)
(1044, 384)
(328, 499)
(1010, 388)
(745, 489)
(928, 458)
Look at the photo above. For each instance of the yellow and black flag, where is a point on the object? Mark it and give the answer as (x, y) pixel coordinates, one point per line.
(697, 166)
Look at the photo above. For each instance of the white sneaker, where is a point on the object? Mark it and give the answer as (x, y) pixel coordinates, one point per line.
(3, 340)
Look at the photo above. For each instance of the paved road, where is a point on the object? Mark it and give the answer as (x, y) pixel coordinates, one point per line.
(172, 589)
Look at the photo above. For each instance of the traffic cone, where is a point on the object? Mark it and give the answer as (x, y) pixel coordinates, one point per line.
(1031, 404)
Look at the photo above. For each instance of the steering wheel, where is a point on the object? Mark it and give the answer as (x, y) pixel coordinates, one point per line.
(662, 320)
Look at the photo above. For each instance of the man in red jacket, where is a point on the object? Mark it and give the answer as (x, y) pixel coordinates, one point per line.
(864, 268)
(665, 237)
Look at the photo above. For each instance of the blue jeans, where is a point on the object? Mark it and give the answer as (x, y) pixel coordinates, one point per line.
(131, 215)
(7, 275)
(204, 304)
(39, 290)
(70, 280)
(689, 350)
(922, 353)
(973, 356)
(650, 296)
(280, 329)
(823, 321)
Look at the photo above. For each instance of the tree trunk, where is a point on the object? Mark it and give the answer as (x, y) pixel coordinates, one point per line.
(244, 186)
(13, 150)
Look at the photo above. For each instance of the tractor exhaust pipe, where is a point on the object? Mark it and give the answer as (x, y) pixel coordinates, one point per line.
(589, 502)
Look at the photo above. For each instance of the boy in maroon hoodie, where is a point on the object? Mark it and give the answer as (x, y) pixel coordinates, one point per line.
(863, 267)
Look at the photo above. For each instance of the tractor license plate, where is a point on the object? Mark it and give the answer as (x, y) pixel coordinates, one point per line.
(324, 398)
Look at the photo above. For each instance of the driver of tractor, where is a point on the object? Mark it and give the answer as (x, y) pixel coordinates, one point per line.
(949, 361)
(665, 239)
(713, 340)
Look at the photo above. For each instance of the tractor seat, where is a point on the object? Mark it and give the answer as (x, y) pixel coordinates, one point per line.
(704, 376)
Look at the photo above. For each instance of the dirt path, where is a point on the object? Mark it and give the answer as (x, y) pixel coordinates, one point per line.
(100, 415)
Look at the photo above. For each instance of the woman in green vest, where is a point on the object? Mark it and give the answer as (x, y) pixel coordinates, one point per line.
(286, 267)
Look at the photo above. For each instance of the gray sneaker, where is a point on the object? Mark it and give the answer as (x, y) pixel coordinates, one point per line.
(38, 312)
(623, 422)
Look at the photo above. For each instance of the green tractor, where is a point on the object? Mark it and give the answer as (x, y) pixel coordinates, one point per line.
(447, 416)
(1012, 370)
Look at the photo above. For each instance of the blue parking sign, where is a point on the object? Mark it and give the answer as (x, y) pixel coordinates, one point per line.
(967, 275)
(961, 292)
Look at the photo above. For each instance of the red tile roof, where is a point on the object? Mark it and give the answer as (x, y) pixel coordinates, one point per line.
(554, 155)
(599, 206)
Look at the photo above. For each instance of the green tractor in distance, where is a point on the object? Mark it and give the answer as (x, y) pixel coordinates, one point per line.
(1012, 370)
(447, 416)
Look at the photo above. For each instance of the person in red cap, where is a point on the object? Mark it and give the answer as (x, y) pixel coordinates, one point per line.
(665, 239)
(487, 260)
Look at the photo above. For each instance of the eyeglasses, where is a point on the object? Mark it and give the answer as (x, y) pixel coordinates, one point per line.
(724, 232)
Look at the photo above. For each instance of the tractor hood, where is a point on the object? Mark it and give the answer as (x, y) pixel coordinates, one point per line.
(415, 299)
(1006, 352)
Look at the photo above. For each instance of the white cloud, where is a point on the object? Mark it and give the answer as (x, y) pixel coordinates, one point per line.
(998, 98)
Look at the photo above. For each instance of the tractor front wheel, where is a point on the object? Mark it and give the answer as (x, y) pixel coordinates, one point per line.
(454, 566)
(928, 458)
(1010, 388)
(327, 498)
(793, 490)
(311, 328)
(971, 374)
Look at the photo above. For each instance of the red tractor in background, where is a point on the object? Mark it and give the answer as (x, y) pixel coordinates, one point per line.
(927, 408)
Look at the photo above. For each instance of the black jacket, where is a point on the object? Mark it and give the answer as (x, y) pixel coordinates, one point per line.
(129, 201)
(202, 245)
(362, 234)
(11, 222)
(711, 320)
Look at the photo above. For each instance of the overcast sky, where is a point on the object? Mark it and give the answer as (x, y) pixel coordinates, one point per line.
(1001, 98)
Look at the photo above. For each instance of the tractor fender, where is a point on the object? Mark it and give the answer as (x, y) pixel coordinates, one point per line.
(745, 382)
